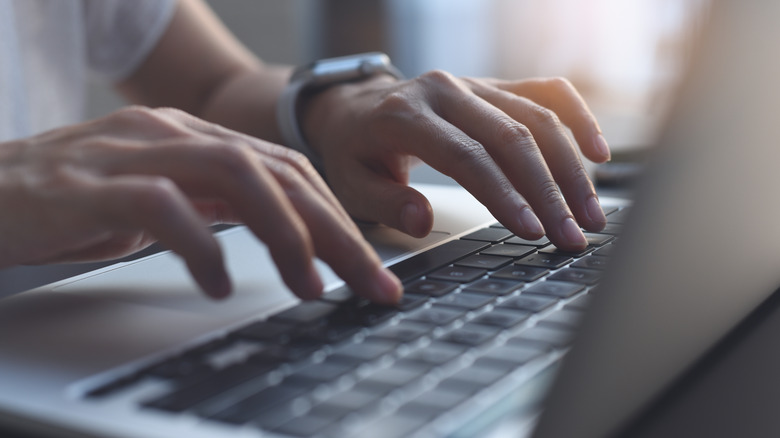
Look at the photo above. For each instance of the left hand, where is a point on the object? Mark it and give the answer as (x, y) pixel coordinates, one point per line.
(504, 141)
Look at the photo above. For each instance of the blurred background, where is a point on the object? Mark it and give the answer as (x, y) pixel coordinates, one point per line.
(624, 56)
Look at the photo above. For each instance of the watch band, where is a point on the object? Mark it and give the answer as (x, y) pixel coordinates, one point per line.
(319, 75)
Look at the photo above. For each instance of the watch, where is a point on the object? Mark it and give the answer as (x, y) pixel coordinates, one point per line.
(317, 76)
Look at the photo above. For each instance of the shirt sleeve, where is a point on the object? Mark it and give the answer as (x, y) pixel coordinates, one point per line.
(121, 33)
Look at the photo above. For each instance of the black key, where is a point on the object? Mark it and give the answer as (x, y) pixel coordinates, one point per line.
(308, 312)
(497, 225)
(566, 318)
(332, 332)
(492, 235)
(484, 262)
(411, 301)
(552, 250)
(493, 286)
(618, 217)
(598, 239)
(181, 368)
(397, 425)
(555, 289)
(539, 243)
(473, 378)
(520, 273)
(575, 275)
(364, 351)
(434, 402)
(466, 300)
(340, 295)
(185, 398)
(540, 336)
(437, 353)
(471, 335)
(423, 263)
(542, 260)
(297, 349)
(612, 229)
(395, 376)
(431, 287)
(604, 251)
(506, 250)
(350, 401)
(531, 303)
(437, 315)
(591, 262)
(405, 331)
(362, 312)
(502, 318)
(267, 331)
(324, 371)
(509, 356)
(276, 416)
(305, 426)
(459, 274)
(251, 407)
(580, 303)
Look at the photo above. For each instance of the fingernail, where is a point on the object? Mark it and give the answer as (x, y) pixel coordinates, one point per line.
(601, 145)
(409, 217)
(388, 287)
(571, 231)
(595, 213)
(530, 222)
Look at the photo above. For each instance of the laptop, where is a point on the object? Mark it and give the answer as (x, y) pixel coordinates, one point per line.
(492, 331)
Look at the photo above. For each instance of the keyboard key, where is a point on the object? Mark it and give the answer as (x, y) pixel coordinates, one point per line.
(580, 303)
(305, 426)
(434, 402)
(466, 300)
(411, 301)
(520, 273)
(494, 287)
(539, 243)
(437, 315)
(582, 276)
(324, 371)
(459, 274)
(509, 356)
(547, 337)
(362, 312)
(308, 312)
(488, 262)
(473, 378)
(437, 353)
(471, 335)
(604, 251)
(598, 239)
(503, 318)
(394, 426)
(542, 260)
(567, 318)
(395, 376)
(531, 303)
(364, 351)
(431, 288)
(505, 250)
(558, 252)
(251, 407)
(612, 229)
(435, 258)
(492, 235)
(185, 398)
(403, 332)
(592, 262)
(555, 289)
(268, 331)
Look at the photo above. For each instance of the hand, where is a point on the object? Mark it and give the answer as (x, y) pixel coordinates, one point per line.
(111, 187)
(504, 141)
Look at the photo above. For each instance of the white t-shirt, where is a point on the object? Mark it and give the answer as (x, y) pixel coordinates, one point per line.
(49, 48)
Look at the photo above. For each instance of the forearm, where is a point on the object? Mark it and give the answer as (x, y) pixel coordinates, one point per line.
(246, 101)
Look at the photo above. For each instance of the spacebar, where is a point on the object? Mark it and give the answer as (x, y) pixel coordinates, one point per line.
(435, 258)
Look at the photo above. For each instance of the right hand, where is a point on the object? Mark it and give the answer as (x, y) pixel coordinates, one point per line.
(110, 187)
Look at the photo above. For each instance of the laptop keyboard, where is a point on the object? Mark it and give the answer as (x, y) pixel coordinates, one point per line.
(474, 310)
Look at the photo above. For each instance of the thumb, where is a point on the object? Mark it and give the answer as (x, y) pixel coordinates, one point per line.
(375, 198)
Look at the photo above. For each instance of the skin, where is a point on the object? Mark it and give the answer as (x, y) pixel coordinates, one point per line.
(112, 186)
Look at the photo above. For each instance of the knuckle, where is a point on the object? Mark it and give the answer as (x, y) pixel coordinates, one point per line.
(513, 133)
(231, 158)
(156, 195)
(559, 83)
(549, 193)
(438, 78)
(298, 161)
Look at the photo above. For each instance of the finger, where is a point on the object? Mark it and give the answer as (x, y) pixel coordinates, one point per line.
(233, 174)
(558, 151)
(560, 96)
(336, 240)
(452, 152)
(512, 146)
(155, 204)
(383, 200)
